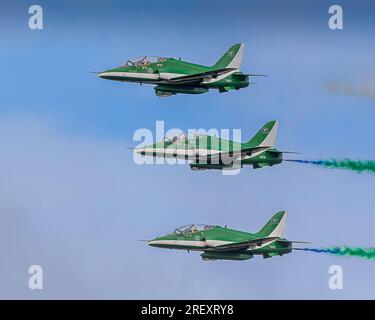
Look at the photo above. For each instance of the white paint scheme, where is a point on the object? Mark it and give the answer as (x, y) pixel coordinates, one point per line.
(150, 76)
(205, 245)
(169, 76)
(189, 243)
(170, 152)
(279, 231)
(237, 60)
(263, 244)
(254, 154)
(141, 75)
(160, 76)
(269, 141)
(166, 76)
(201, 153)
(215, 243)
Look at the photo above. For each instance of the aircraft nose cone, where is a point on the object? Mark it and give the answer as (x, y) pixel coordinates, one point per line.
(140, 151)
(151, 243)
(104, 75)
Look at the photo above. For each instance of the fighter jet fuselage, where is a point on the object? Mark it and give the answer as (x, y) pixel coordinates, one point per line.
(222, 243)
(210, 152)
(172, 76)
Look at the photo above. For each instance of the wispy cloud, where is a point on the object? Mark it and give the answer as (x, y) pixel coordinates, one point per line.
(363, 90)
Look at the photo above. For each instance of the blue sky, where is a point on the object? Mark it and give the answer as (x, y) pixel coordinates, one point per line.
(73, 201)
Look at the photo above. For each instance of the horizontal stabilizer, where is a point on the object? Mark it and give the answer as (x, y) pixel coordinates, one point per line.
(279, 151)
(255, 75)
(293, 241)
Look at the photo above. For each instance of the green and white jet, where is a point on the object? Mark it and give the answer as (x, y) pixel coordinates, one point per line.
(222, 243)
(210, 152)
(173, 76)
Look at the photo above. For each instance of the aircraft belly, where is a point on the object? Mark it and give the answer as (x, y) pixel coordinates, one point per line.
(130, 75)
(202, 154)
(197, 244)
(177, 153)
(179, 244)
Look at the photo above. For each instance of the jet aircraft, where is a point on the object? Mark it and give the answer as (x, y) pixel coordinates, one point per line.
(222, 243)
(172, 76)
(210, 152)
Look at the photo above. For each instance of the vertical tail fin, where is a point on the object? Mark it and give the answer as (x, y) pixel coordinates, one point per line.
(275, 227)
(265, 137)
(232, 58)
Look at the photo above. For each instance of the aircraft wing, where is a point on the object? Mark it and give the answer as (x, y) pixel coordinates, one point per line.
(234, 155)
(238, 154)
(279, 151)
(254, 75)
(199, 77)
(252, 244)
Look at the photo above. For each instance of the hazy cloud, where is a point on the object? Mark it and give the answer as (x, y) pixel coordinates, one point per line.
(364, 90)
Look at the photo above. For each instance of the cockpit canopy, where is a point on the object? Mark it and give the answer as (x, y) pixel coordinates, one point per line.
(192, 228)
(143, 61)
(185, 137)
(172, 139)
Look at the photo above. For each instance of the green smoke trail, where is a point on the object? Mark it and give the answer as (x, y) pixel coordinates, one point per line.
(347, 164)
(364, 253)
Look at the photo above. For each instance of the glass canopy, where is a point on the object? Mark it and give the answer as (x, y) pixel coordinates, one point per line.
(181, 137)
(192, 228)
(144, 61)
(203, 138)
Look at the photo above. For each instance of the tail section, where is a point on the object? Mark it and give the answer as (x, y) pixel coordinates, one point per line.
(265, 137)
(232, 58)
(275, 227)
